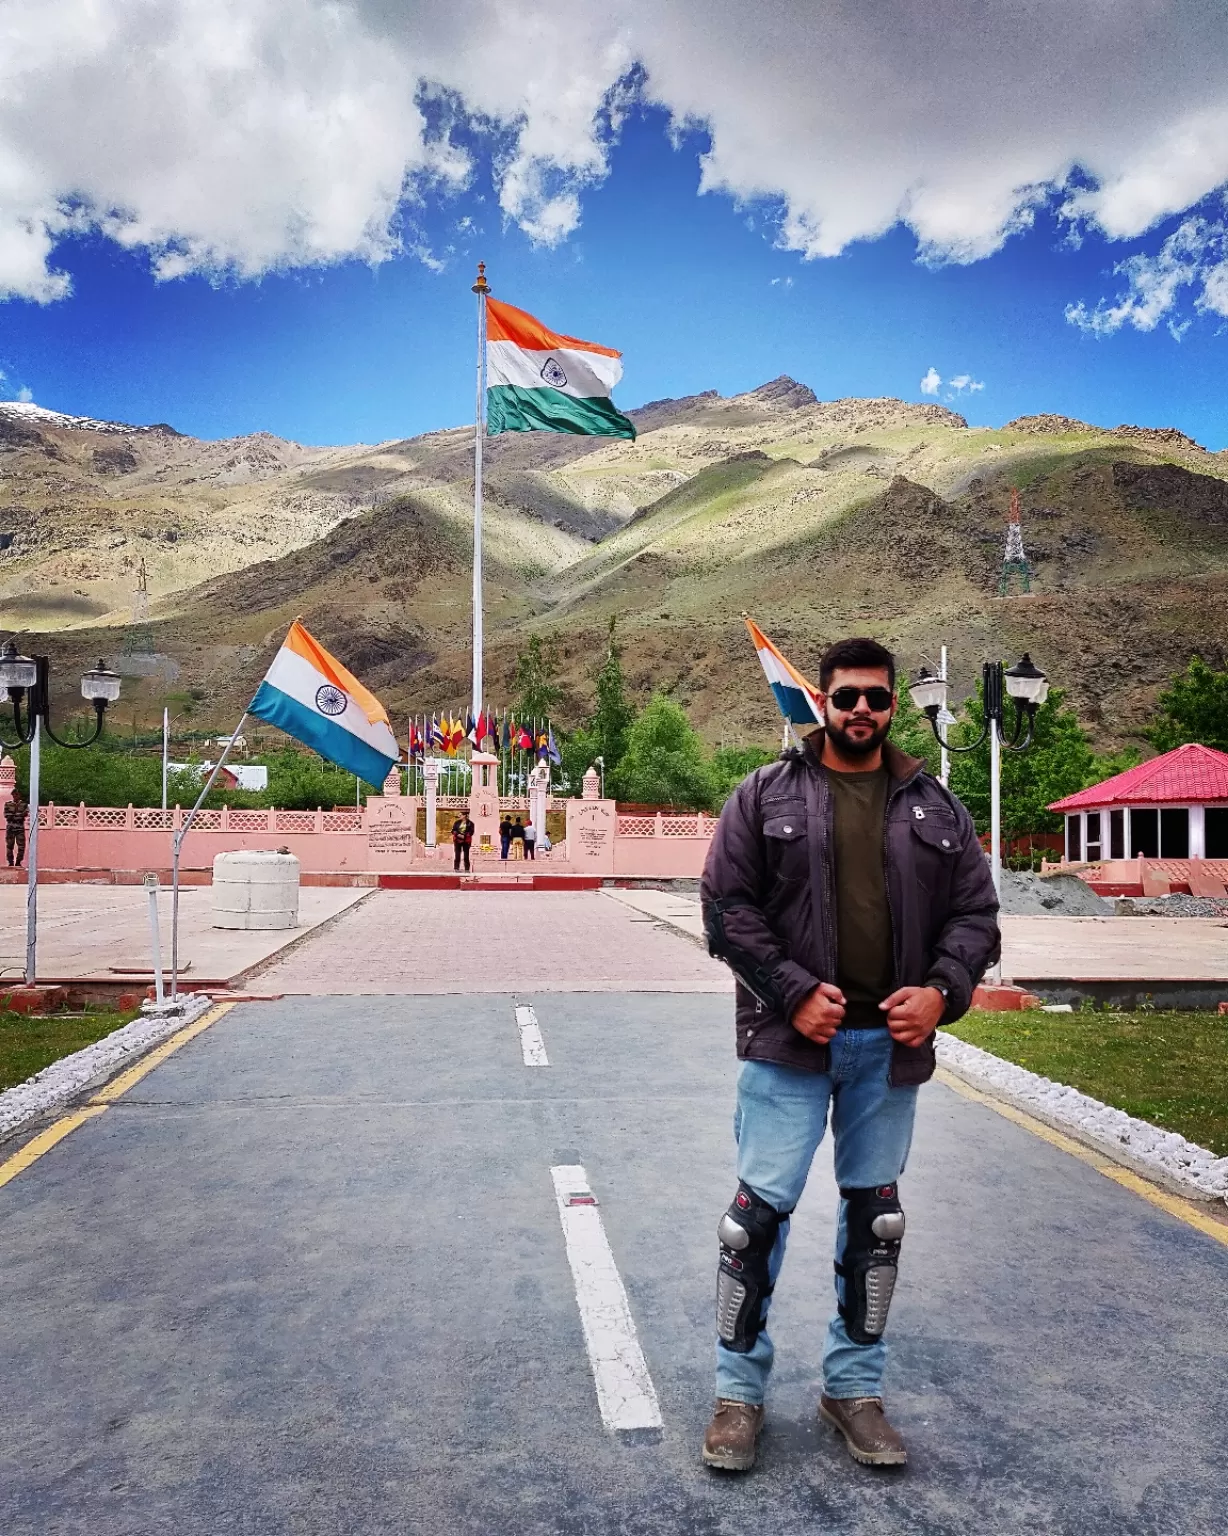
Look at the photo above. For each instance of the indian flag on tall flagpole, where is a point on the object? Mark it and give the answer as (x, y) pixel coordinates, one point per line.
(308, 694)
(538, 380)
(797, 697)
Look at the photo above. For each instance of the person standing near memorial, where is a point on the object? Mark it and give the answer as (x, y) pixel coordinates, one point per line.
(505, 837)
(847, 890)
(530, 841)
(463, 830)
(15, 828)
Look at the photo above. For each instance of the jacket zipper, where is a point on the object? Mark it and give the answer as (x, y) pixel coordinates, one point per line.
(899, 789)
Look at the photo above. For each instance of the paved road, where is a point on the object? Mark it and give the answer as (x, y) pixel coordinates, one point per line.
(308, 1276)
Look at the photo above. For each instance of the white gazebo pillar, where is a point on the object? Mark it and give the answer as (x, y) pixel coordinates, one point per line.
(1198, 831)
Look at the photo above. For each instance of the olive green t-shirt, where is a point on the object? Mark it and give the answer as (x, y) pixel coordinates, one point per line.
(865, 964)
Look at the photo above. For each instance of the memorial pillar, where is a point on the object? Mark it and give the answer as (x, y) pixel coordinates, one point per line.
(430, 777)
(484, 802)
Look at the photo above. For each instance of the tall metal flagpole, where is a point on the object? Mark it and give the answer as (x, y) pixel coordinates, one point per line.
(481, 288)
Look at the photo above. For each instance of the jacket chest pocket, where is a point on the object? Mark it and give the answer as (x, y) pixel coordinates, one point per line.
(784, 837)
(935, 844)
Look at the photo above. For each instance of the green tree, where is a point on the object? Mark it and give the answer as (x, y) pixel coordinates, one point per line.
(1193, 708)
(612, 717)
(730, 765)
(536, 681)
(665, 762)
(1058, 762)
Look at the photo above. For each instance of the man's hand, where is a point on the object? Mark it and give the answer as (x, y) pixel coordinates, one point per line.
(819, 1014)
(913, 1013)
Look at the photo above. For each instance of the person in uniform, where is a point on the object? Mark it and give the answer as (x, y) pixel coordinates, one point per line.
(15, 828)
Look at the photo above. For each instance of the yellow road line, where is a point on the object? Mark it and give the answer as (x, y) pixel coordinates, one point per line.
(1187, 1211)
(121, 1084)
(105, 1097)
(45, 1140)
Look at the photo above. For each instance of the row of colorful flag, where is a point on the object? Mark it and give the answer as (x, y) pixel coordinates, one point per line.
(487, 733)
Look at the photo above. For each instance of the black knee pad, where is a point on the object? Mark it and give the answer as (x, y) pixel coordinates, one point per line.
(747, 1234)
(874, 1222)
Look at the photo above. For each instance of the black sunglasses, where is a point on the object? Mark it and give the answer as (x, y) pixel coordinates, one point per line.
(844, 699)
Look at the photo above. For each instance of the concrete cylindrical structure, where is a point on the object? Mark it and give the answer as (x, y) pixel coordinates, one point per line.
(255, 889)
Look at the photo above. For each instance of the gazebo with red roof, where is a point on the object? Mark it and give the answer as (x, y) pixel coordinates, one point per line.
(1173, 808)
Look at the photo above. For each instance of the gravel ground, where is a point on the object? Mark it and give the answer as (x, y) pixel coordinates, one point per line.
(1169, 1154)
(1179, 905)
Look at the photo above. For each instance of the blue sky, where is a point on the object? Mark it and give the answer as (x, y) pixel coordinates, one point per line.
(697, 290)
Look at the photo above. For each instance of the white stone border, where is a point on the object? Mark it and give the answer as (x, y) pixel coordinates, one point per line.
(63, 1080)
(1163, 1155)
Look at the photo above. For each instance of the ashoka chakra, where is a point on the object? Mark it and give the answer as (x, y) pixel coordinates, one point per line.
(330, 700)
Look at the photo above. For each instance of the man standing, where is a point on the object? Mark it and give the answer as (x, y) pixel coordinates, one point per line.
(847, 891)
(462, 840)
(505, 837)
(15, 827)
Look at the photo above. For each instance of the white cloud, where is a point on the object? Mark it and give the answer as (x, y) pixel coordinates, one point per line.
(1195, 255)
(964, 382)
(25, 395)
(932, 382)
(243, 136)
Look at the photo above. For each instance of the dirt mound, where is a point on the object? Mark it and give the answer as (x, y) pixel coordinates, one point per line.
(1025, 895)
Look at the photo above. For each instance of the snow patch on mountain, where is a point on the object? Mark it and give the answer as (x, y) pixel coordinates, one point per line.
(40, 416)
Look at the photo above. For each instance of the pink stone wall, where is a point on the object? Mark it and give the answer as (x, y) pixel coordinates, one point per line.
(350, 842)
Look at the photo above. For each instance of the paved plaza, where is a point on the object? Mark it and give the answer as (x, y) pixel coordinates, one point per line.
(313, 1274)
(102, 931)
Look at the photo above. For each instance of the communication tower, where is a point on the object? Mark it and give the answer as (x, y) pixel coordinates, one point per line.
(1015, 567)
(139, 639)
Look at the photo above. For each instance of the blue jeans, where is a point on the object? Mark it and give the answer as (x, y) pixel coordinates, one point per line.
(779, 1123)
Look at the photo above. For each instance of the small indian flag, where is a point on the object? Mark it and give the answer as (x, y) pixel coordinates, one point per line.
(797, 698)
(308, 694)
(540, 381)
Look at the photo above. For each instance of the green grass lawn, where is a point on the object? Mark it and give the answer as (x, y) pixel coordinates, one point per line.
(28, 1045)
(1168, 1068)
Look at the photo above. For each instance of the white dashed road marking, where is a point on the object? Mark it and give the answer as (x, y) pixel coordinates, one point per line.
(532, 1046)
(625, 1393)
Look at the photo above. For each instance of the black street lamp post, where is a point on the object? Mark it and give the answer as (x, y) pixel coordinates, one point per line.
(1028, 687)
(27, 680)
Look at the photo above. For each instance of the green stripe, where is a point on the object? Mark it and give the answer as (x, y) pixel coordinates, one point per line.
(510, 408)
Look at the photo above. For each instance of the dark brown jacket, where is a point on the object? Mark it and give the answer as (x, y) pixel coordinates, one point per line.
(768, 894)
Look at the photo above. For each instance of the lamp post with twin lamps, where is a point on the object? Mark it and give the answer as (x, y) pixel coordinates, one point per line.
(1028, 686)
(27, 681)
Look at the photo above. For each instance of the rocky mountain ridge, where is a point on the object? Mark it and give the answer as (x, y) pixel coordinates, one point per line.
(821, 517)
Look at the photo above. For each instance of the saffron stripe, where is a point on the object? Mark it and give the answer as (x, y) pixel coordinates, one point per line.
(310, 649)
(504, 322)
(512, 409)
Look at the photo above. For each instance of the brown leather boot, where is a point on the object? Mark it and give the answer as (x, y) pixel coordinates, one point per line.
(729, 1442)
(866, 1430)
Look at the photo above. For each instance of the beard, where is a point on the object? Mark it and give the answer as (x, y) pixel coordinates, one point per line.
(859, 745)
